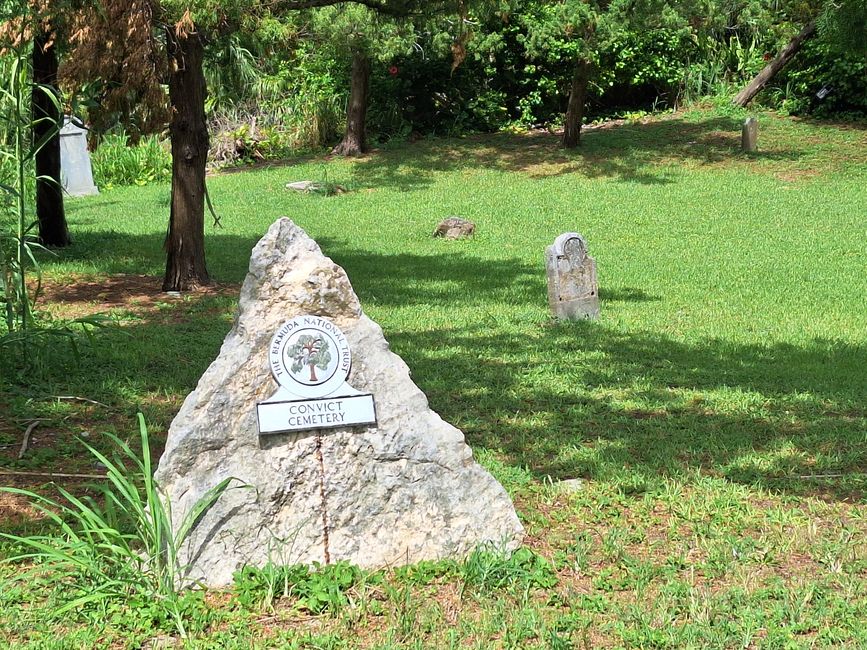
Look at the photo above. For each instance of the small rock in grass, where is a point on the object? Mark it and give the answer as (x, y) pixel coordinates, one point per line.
(317, 188)
(455, 228)
(161, 643)
(303, 186)
(572, 485)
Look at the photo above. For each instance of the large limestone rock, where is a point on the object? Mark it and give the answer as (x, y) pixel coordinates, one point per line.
(404, 490)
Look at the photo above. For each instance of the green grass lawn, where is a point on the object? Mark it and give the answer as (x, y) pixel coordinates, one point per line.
(715, 411)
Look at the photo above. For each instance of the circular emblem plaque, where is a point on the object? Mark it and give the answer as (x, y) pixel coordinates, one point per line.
(309, 356)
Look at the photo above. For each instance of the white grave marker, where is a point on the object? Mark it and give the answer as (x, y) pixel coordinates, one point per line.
(573, 291)
(76, 174)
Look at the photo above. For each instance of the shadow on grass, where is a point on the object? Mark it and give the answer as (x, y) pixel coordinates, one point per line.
(563, 400)
(398, 279)
(629, 152)
(627, 294)
(111, 252)
(438, 279)
(580, 399)
(572, 400)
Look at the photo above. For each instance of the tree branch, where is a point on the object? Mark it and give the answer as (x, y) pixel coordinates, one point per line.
(745, 96)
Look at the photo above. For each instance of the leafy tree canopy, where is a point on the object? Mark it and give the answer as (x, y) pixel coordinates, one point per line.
(346, 28)
(843, 23)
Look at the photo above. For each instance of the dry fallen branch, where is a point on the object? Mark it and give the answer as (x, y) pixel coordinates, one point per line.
(73, 398)
(9, 472)
(25, 443)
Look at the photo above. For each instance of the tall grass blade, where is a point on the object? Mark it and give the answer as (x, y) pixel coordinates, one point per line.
(123, 546)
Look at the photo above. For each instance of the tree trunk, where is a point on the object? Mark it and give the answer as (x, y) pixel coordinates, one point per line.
(354, 142)
(575, 110)
(745, 96)
(185, 240)
(48, 118)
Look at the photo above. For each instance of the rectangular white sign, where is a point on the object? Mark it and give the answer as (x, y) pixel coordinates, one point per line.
(325, 413)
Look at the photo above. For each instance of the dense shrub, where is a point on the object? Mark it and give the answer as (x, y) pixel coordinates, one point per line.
(294, 103)
(116, 163)
(499, 85)
(819, 65)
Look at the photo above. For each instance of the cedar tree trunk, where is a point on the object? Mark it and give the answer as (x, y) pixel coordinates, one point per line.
(48, 118)
(185, 240)
(354, 142)
(745, 96)
(575, 109)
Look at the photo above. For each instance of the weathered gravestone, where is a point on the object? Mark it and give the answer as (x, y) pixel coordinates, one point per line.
(749, 134)
(306, 405)
(76, 174)
(572, 288)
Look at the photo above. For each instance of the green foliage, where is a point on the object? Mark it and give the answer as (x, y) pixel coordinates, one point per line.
(17, 247)
(561, 30)
(123, 546)
(424, 572)
(843, 25)
(324, 588)
(327, 586)
(278, 84)
(24, 332)
(231, 71)
(251, 142)
(345, 28)
(117, 162)
(292, 100)
(821, 64)
(487, 570)
(257, 588)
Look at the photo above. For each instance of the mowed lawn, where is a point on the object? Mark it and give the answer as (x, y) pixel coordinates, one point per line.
(715, 412)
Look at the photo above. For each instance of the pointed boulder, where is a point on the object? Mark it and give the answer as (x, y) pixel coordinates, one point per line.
(397, 492)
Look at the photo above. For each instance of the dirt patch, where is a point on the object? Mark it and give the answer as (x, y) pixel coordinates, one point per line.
(797, 175)
(641, 414)
(82, 295)
(720, 140)
(15, 510)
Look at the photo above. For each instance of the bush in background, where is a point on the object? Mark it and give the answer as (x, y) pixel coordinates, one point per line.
(115, 162)
(820, 65)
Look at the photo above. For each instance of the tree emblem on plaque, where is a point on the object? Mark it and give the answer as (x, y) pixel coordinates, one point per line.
(310, 360)
(309, 351)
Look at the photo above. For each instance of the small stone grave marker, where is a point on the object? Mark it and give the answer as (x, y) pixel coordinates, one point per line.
(572, 485)
(76, 174)
(749, 134)
(573, 292)
(312, 187)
